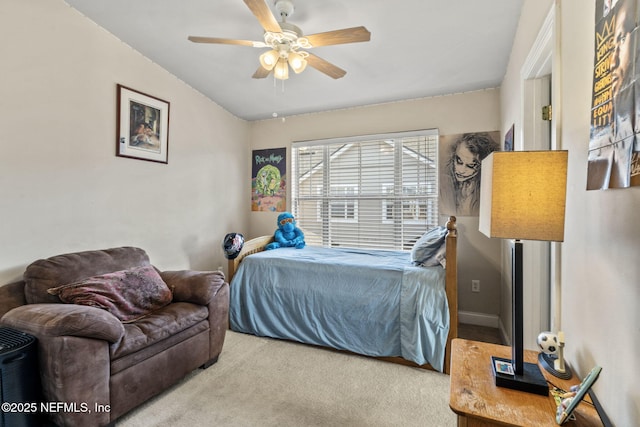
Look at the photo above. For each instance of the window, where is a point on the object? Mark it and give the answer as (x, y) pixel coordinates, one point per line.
(376, 191)
(343, 204)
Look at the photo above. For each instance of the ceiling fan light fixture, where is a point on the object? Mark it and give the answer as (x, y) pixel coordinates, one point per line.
(281, 70)
(269, 59)
(297, 62)
(286, 43)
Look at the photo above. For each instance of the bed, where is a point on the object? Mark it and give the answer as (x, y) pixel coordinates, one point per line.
(373, 303)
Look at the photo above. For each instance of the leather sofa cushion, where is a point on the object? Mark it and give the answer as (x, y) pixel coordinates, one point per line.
(157, 326)
(197, 333)
(68, 268)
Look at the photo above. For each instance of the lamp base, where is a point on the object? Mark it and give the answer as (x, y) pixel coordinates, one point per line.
(548, 362)
(531, 380)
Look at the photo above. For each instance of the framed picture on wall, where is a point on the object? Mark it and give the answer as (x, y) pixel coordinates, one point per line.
(142, 126)
(508, 139)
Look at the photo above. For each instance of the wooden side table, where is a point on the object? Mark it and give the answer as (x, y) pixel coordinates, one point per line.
(480, 403)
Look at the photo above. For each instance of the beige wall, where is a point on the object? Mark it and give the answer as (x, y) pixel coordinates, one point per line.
(62, 187)
(453, 114)
(600, 294)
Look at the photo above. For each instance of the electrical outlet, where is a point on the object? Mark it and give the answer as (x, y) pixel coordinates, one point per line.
(475, 286)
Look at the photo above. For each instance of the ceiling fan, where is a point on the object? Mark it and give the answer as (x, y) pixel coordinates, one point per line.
(286, 42)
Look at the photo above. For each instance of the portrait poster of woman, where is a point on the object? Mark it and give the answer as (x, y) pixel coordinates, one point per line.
(460, 162)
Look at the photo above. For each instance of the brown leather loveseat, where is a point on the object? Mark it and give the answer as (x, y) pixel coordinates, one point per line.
(117, 356)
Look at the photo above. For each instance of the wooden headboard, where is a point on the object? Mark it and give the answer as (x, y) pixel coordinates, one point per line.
(250, 247)
(451, 279)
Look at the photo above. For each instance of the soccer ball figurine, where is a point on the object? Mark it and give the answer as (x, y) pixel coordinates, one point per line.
(548, 342)
(552, 357)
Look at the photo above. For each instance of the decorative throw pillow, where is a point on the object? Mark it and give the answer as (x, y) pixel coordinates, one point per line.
(429, 250)
(127, 294)
(57, 270)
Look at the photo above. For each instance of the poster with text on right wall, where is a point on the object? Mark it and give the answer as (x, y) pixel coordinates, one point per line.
(614, 143)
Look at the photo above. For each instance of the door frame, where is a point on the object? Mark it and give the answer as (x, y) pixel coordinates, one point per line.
(539, 83)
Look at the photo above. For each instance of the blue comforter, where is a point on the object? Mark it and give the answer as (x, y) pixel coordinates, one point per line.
(368, 302)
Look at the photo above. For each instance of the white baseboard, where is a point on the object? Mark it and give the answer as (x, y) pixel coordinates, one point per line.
(480, 319)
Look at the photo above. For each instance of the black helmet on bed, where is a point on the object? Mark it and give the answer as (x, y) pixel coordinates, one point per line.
(232, 245)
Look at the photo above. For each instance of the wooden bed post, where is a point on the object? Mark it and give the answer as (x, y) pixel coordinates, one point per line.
(451, 283)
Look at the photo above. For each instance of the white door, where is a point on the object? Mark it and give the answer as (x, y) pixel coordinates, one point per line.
(538, 134)
(536, 255)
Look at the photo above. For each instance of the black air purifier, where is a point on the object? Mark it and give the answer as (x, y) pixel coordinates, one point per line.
(19, 379)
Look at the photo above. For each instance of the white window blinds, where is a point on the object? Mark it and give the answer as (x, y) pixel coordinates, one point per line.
(377, 191)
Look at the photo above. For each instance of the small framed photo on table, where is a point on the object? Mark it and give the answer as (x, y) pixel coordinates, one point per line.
(568, 405)
(503, 367)
(142, 126)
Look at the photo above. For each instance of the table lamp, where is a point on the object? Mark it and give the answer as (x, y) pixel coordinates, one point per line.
(522, 197)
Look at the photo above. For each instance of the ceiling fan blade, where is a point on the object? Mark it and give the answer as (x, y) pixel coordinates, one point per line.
(347, 35)
(261, 73)
(261, 10)
(197, 39)
(325, 67)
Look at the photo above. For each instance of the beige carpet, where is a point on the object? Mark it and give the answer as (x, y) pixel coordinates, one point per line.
(266, 382)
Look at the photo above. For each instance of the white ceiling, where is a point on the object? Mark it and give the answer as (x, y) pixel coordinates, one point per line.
(418, 48)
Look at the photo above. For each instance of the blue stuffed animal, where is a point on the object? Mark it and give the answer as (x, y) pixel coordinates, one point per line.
(287, 235)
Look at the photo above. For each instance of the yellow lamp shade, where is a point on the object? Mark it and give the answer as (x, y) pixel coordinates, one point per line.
(522, 195)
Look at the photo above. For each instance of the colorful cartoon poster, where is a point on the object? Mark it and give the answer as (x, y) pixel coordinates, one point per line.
(269, 179)
(614, 146)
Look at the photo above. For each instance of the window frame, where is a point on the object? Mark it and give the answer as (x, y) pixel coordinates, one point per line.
(425, 199)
